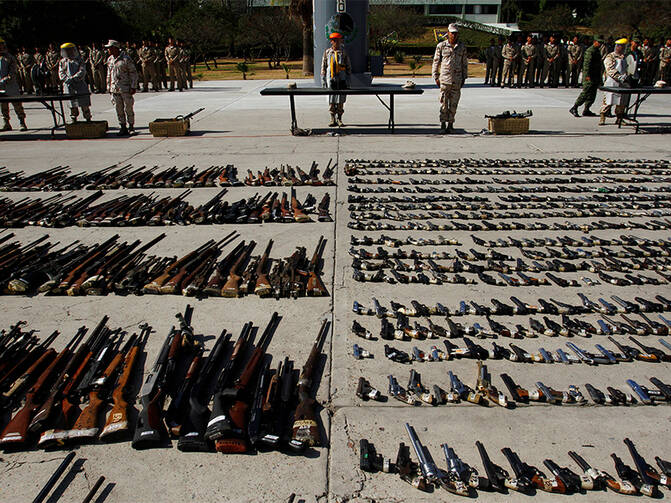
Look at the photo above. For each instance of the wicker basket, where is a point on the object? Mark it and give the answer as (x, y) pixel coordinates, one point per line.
(169, 127)
(86, 129)
(517, 125)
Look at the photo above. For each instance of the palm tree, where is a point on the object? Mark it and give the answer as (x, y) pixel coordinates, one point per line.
(302, 9)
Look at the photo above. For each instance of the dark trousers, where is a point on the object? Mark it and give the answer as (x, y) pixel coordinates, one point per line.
(587, 95)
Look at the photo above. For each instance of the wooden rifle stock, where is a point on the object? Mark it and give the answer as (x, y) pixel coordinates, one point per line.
(230, 289)
(299, 214)
(262, 287)
(315, 286)
(305, 430)
(154, 286)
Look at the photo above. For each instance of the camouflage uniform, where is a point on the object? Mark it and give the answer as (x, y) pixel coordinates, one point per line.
(551, 65)
(335, 72)
(665, 64)
(649, 64)
(616, 72)
(9, 83)
(159, 66)
(186, 59)
(489, 63)
(172, 56)
(52, 58)
(540, 62)
(84, 53)
(26, 62)
(121, 80)
(576, 54)
(529, 53)
(97, 61)
(509, 54)
(72, 73)
(592, 71)
(147, 57)
(496, 65)
(450, 67)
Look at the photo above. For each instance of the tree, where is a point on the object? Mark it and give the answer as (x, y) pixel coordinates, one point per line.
(302, 10)
(271, 30)
(619, 18)
(391, 23)
(559, 18)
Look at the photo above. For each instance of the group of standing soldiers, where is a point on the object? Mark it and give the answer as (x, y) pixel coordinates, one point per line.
(163, 68)
(548, 61)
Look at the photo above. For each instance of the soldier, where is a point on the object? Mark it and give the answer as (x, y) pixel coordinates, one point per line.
(9, 83)
(540, 59)
(186, 58)
(649, 63)
(450, 70)
(519, 67)
(72, 73)
(146, 55)
(634, 62)
(489, 60)
(172, 55)
(592, 71)
(509, 55)
(575, 54)
(528, 53)
(84, 53)
(26, 62)
(496, 65)
(665, 62)
(159, 65)
(122, 84)
(97, 61)
(563, 63)
(615, 66)
(335, 72)
(51, 58)
(39, 73)
(552, 62)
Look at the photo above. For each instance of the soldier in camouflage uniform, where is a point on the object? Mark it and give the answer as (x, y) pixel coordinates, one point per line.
(509, 56)
(186, 59)
(575, 54)
(26, 62)
(665, 62)
(172, 55)
(551, 65)
(146, 54)
(9, 83)
(649, 63)
(592, 72)
(97, 62)
(84, 53)
(52, 57)
(496, 65)
(540, 59)
(489, 60)
(39, 73)
(450, 70)
(122, 84)
(528, 56)
(615, 65)
(519, 66)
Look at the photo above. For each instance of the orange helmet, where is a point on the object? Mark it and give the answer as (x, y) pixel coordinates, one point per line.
(335, 35)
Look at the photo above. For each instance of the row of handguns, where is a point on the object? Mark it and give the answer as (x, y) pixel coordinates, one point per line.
(395, 214)
(484, 225)
(515, 353)
(117, 177)
(462, 479)
(518, 307)
(125, 268)
(148, 209)
(547, 185)
(547, 178)
(430, 186)
(519, 166)
(485, 393)
(251, 405)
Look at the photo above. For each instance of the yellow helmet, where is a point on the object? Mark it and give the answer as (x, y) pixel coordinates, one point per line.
(67, 45)
(621, 41)
(2, 40)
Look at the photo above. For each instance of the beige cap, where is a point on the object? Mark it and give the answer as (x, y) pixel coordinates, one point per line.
(453, 28)
(112, 43)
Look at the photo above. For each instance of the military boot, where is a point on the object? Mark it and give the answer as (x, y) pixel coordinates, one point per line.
(22, 125)
(602, 119)
(333, 122)
(574, 111)
(6, 126)
(340, 122)
(588, 113)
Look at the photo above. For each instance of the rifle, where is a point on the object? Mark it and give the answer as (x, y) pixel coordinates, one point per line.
(150, 428)
(263, 287)
(86, 426)
(116, 425)
(256, 410)
(234, 438)
(213, 287)
(315, 286)
(218, 424)
(15, 433)
(230, 288)
(305, 431)
(192, 431)
(299, 214)
(155, 285)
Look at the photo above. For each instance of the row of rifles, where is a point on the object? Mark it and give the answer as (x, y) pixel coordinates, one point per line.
(229, 401)
(124, 268)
